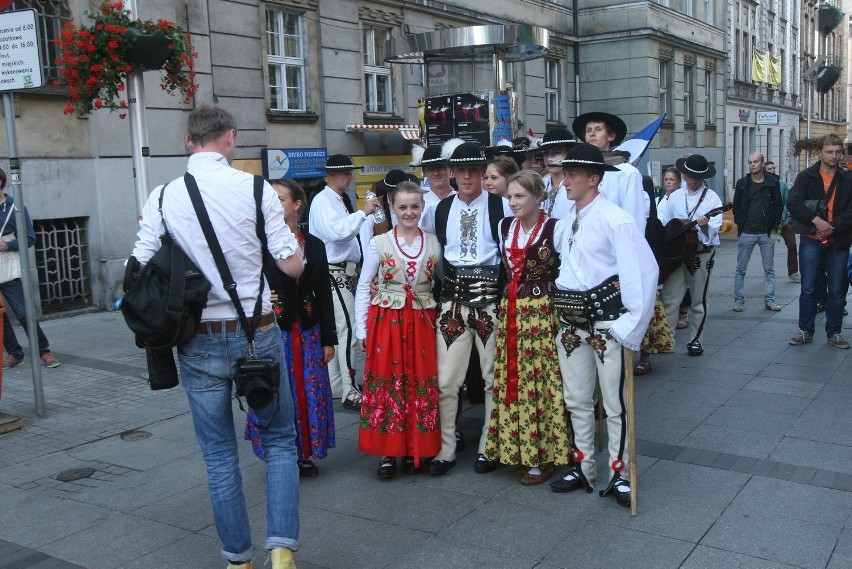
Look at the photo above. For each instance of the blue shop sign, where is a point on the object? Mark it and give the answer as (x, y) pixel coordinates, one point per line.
(294, 163)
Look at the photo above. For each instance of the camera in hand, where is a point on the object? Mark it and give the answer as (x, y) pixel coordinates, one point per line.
(258, 380)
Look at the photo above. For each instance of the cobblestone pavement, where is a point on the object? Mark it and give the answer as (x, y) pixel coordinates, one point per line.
(744, 459)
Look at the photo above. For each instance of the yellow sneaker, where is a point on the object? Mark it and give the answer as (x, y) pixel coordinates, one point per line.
(282, 558)
(246, 565)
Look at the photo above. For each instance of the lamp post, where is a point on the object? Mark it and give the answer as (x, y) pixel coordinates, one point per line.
(138, 129)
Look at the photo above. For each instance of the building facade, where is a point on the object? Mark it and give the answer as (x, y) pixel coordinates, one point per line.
(300, 73)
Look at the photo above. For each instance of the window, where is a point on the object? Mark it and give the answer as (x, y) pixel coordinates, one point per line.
(689, 94)
(709, 97)
(51, 16)
(378, 87)
(665, 91)
(551, 90)
(285, 56)
(709, 12)
(687, 7)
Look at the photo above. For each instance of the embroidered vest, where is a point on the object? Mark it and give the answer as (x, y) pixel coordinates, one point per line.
(541, 261)
(392, 284)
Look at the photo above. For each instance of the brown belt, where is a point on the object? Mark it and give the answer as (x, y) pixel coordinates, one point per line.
(217, 326)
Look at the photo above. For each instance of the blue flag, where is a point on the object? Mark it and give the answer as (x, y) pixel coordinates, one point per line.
(637, 145)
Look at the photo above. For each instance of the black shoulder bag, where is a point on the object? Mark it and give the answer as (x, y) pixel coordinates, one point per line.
(817, 208)
(258, 379)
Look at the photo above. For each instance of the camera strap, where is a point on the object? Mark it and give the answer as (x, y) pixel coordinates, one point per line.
(219, 256)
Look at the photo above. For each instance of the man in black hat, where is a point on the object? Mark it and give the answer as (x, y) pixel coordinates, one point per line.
(466, 226)
(692, 204)
(624, 187)
(333, 219)
(436, 169)
(555, 145)
(607, 285)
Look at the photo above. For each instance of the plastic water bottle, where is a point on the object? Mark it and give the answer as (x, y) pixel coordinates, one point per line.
(379, 213)
(116, 306)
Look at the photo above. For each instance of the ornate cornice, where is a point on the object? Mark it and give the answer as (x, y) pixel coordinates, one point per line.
(298, 4)
(380, 16)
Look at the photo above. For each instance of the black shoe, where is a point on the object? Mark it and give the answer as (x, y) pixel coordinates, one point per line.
(574, 480)
(408, 465)
(460, 444)
(694, 348)
(620, 488)
(485, 465)
(308, 469)
(386, 468)
(441, 467)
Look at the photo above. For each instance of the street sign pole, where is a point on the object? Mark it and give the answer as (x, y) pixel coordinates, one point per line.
(20, 68)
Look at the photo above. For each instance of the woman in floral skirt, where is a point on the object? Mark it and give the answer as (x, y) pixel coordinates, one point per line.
(304, 312)
(528, 426)
(399, 411)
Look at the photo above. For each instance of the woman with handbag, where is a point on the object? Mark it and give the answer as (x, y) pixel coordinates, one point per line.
(10, 284)
(303, 309)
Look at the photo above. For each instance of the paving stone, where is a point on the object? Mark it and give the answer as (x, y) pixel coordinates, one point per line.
(724, 461)
(824, 478)
(706, 458)
(792, 387)
(195, 550)
(710, 558)
(744, 464)
(598, 544)
(790, 501)
(758, 444)
(803, 544)
(841, 557)
(763, 467)
(803, 475)
(782, 471)
(827, 456)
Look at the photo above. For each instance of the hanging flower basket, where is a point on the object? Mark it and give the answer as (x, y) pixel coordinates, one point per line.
(806, 145)
(94, 61)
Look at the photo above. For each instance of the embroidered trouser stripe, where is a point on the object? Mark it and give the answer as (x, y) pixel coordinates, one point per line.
(580, 370)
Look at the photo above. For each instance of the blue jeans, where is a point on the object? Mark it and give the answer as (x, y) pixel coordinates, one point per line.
(820, 269)
(13, 292)
(208, 365)
(767, 255)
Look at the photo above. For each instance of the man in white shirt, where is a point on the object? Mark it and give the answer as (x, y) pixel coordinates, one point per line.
(691, 205)
(555, 145)
(333, 219)
(436, 169)
(607, 285)
(208, 362)
(466, 226)
(624, 187)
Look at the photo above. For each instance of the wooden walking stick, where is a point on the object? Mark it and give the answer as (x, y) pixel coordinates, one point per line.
(631, 432)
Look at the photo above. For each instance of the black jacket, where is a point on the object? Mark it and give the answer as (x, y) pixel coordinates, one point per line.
(808, 186)
(770, 200)
(308, 299)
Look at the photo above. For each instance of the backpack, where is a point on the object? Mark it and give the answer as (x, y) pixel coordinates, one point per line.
(162, 303)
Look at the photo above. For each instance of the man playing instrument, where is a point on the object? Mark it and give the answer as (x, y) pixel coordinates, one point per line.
(693, 271)
(607, 285)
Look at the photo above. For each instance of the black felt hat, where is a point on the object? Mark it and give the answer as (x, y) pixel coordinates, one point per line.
(339, 163)
(613, 122)
(392, 178)
(502, 148)
(588, 156)
(695, 166)
(432, 157)
(559, 136)
(468, 154)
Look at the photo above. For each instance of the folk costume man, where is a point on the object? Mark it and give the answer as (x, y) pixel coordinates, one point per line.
(622, 187)
(436, 169)
(333, 219)
(466, 226)
(554, 146)
(607, 284)
(691, 204)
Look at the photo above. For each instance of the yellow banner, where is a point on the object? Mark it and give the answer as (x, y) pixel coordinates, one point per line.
(760, 66)
(775, 76)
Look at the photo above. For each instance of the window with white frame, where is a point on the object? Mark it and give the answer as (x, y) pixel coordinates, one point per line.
(378, 84)
(665, 89)
(51, 16)
(689, 94)
(709, 96)
(285, 58)
(551, 90)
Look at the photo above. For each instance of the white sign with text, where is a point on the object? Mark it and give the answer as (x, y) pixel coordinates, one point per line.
(20, 61)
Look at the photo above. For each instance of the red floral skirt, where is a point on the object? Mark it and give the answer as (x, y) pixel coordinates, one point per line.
(399, 410)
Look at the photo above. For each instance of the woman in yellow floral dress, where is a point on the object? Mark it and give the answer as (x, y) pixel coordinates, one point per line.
(528, 426)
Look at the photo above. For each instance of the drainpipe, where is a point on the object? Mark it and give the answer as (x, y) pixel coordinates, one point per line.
(576, 19)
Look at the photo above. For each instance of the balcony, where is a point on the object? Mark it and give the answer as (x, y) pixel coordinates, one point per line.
(829, 15)
(828, 74)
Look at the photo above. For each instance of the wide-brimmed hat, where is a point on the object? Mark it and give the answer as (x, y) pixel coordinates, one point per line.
(502, 148)
(559, 136)
(695, 166)
(432, 157)
(339, 163)
(392, 178)
(468, 154)
(613, 122)
(587, 156)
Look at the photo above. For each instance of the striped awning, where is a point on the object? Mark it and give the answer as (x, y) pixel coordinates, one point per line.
(408, 131)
